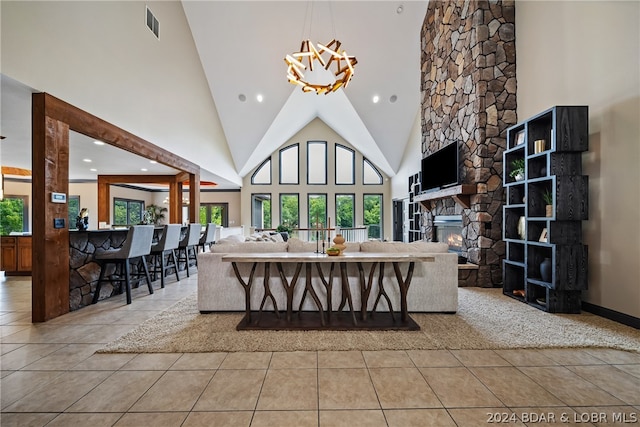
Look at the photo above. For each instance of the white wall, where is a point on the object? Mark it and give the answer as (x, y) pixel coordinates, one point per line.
(113, 67)
(411, 162)
(588, 53)
(317, 130)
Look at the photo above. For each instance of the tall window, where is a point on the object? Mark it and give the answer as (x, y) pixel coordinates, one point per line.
(261, 211)
(14, 212)
(345, 165)
(262, 175)
(317, 162)
(317, 210)
(127, 211)
(289, 210)
(345, 210)
(289, 167)
(73, 206)
(372, 214)
(370, 173)
(214, 212)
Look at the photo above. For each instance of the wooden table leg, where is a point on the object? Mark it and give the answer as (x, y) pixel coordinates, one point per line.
(328, 285)
(247, 288)
(365, 288)
(267, 293)
(383, 293)
(346, 292)
(308, 287)
(404, 288)
(289, 287)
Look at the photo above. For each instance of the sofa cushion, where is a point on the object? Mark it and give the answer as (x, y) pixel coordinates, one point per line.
(232, 239)
(424, 247)
(250, 247)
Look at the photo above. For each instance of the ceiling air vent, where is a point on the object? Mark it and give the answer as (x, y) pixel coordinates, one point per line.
(153, 23)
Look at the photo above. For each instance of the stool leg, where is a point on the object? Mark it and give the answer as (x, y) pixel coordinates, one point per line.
(186, 259)
(127, 279)
(146, 273)
(175, 264)
(162, 269)
(96, 295)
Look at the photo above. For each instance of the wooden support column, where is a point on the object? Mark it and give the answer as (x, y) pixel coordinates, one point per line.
(104, 196)
(194, 197)
(175, 202)
(50, 259)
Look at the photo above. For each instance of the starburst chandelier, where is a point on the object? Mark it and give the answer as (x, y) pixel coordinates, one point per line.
(330, 56)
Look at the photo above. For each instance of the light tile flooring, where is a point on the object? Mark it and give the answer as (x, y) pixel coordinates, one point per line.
(51, 376)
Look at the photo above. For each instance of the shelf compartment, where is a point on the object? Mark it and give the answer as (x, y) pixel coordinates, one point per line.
(535, 255)
(513, 279)
(515, 194)
(553, 301)
(509, 157)
(540, 127)
(510, 220)
(512, 137)
(538, 166)
(535, 190)
(535, 228)
(515, 253)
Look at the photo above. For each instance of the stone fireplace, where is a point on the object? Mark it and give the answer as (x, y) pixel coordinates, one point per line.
(468, 88)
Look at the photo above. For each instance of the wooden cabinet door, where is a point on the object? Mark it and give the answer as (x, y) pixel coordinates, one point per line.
(24, 254)
(8, 254)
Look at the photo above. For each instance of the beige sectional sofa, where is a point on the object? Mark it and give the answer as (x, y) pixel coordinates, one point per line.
(434, 287)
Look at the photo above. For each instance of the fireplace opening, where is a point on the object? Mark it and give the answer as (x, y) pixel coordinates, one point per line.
(448, 229)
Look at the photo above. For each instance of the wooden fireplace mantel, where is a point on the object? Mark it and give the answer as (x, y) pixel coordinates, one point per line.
(461, 194)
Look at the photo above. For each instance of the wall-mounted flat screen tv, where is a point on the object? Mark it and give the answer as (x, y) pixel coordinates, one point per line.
(441, 168)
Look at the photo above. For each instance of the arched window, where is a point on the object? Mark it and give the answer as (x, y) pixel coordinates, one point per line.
(345, 165)
(370, 174)
(317, 162)
(262, 175)
(289, 165)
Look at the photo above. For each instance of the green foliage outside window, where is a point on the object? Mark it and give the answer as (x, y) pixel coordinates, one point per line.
(344, 211)
(289, 210)
(73, 209)
(12, 215)
(127, 212)
(373, 215)
(266, 209)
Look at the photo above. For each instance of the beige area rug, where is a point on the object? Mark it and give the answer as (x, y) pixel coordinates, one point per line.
(486, 319)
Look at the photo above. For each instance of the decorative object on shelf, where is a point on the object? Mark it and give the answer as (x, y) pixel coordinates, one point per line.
(543, 236)
(522, 231)
(547, 196)
(520, 137)
(545, 270)
(82, 220)
(539, 146)
(338, 243)
(333, 251)
(517, 169)
(518, 292)
(542, 301)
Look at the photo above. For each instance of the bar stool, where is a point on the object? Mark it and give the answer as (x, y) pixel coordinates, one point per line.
(209, 236)
(136, 245)
(168, 242)
(189, 243)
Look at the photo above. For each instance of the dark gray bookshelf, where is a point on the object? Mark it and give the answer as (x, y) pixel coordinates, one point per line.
(555, 170)
(415, 211)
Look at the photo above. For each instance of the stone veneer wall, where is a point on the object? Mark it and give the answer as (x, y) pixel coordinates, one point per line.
(469, 95)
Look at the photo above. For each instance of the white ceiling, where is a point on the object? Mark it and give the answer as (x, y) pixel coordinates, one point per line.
(242, 45)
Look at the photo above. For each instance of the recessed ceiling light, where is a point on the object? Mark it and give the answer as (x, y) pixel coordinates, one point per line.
(242, 97)
(400, 9)
(376, 99)
(260, 98)
(93, 170)
(144, 169)
(153, 162)
(393, 98)
(98, 142)
(86, 160)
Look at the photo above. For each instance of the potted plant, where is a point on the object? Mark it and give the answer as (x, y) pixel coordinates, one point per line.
(284, 231)
(547, 196)
(154, 214)
(517, 169)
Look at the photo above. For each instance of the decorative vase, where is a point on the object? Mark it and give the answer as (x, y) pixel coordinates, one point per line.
(522, 233)
(549, 211)
(545, 270)
(338, 242)
(519, 176)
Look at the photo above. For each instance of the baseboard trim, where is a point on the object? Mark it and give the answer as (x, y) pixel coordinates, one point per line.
(616, 316)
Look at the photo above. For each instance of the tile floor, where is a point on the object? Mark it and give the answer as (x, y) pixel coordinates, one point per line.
(50, 376)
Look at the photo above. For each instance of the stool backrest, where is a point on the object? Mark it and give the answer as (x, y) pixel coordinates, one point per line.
(138, 242)
(209, 235)
(193, 235)
(170, 237)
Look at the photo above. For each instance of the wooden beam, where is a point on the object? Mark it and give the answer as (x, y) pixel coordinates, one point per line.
(194, 198)
(175, 202)
(104, 197)
(136, 179)
(94, 127)
(50, 259)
